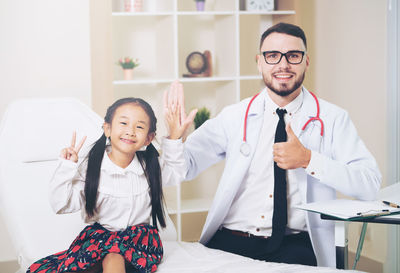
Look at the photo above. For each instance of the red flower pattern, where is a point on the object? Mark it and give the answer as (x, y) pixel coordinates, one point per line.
(142, 262)
(76, 248)
(98, 242)
(114, 249)
(69, 261)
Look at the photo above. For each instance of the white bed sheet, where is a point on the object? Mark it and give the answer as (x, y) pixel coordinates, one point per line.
(183, 257)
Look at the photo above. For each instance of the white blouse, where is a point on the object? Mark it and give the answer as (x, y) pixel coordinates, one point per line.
(123, 195)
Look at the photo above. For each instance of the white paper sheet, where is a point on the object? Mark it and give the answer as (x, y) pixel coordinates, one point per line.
(348, 209)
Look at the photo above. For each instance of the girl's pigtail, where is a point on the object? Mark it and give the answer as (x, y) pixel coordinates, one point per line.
(153, 173)
(93, 175)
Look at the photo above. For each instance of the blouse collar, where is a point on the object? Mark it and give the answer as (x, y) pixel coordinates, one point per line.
(111, 168)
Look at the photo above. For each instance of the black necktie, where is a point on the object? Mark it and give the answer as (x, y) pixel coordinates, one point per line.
(279, 218)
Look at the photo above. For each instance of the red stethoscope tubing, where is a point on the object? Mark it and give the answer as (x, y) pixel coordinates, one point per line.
(316, 117)
(304, 126)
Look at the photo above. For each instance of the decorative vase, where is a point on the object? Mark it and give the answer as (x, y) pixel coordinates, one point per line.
(200, 5)
(133, 5)
(128, 74)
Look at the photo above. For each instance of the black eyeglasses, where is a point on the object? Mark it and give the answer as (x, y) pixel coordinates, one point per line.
(292, 57)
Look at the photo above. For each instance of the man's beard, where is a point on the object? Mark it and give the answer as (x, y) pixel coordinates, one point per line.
(284, 89)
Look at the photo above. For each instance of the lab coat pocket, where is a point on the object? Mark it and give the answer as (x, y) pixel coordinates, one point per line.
(311, 137)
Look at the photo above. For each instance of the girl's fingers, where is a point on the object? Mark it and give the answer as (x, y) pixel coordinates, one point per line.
(73, 139)
(171, 90)
(78, 148)
(181, 101)
(190, 118)
(63, 153)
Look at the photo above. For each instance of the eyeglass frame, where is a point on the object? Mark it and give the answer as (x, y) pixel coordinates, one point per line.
(284, 54)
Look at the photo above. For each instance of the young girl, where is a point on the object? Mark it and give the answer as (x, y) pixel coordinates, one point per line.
(117, 189)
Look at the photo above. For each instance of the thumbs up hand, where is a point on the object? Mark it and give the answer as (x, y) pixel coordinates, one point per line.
(291, 154)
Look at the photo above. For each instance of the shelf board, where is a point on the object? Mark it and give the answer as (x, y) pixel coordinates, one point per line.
(182, 79)
(161, 13)
(206, 79)
(200, 13)
(251, 77)
(273, 12)
(191, 206)
(141, 81)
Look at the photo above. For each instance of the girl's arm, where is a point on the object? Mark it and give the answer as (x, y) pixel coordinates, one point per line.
(174, 111)
(66, 188)
(172, 161)
(67, 183)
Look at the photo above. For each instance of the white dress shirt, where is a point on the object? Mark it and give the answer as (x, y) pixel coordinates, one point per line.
(123, 195)
(252, 208)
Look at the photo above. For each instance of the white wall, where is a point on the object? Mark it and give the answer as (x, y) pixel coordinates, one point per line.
(44, 52)
(350, 63)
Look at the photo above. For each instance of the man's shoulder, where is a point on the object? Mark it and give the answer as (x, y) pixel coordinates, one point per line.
(330, 106)
(236, 108)
(328, 109)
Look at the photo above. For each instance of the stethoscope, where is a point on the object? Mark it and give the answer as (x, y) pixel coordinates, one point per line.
(245, 147)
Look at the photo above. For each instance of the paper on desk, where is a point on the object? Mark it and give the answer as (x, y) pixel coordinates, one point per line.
(347, 209)
(390, 193)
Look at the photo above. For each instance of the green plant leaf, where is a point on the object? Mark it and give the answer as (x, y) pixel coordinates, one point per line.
(202, 115)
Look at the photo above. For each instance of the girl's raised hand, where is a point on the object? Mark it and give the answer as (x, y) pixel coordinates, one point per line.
(71, 153)
(174, 111)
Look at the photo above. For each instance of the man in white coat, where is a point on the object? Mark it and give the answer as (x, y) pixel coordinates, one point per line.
(327, 156)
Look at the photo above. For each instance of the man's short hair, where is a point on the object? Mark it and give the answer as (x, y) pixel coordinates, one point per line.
(285, 28)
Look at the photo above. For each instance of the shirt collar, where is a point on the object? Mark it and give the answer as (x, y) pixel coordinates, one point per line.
(111, 168)
(291, 108)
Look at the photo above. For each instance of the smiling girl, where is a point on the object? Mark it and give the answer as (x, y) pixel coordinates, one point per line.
(118, 189)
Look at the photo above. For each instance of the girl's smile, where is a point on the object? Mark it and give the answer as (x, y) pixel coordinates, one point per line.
(128, 132)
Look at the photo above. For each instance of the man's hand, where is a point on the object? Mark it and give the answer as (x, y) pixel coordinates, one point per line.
(291, 154)
(174, 112)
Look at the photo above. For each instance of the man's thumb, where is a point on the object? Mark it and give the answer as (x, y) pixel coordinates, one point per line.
(289, 132)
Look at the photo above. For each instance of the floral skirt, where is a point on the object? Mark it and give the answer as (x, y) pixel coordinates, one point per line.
(140, 246)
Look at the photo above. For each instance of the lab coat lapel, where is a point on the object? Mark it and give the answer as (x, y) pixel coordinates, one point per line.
(236, 168)
(254, 124)
(307, 110)
(255, 120)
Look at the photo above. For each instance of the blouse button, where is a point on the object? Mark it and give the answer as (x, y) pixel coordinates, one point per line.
(262, 216)
(257, 229)
(312, 173)
(270, 196)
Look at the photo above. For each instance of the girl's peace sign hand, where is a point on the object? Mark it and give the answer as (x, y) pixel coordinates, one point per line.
(71, 153)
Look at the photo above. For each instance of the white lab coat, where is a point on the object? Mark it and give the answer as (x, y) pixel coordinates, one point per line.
(348, 166)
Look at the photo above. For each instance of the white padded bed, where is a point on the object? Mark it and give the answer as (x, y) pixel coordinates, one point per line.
(32, 133)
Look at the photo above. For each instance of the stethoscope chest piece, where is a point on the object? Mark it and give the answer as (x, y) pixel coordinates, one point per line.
(245, 149)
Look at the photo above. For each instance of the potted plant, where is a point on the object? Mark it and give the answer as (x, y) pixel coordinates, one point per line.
(128, 64)
(201, 116)
(200, 5)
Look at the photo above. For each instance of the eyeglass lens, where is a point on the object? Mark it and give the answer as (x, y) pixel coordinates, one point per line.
(292, 57)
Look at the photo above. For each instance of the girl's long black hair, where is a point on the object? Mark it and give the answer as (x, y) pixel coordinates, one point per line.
(148, 159)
